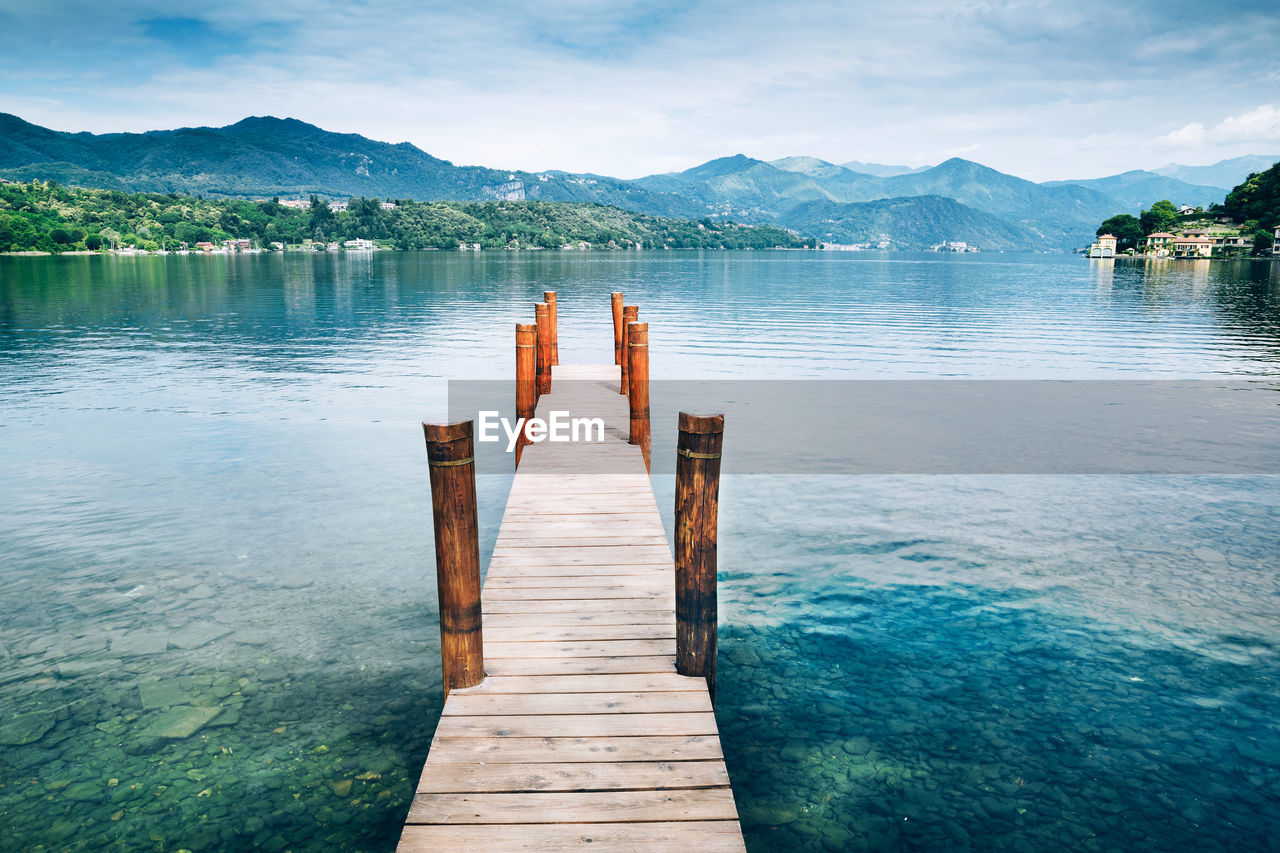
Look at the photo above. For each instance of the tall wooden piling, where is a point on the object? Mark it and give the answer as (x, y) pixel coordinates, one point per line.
(526, 379)
(549, 297)
(542, 311)
(638, 377)
(629, 315)
(697, 507)
(616, 300)
(450, 455)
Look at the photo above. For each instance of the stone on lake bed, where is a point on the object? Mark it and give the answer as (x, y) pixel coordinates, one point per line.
(774, 813)
(179, 722)
(229, 717)
(342, 788)
(162, 694)
(140, 643)
(26, 728)
(197, 635)
(83, 792)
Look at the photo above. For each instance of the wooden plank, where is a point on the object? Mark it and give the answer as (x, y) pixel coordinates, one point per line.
(550, 565)
(654, 597)
(578, 725)
(618, 556)
(647, 580)
(579, 666)
(571, 776)
(574, 807)
(722, 836)
(495, 634)
(585, 605)
(625, 683)
(628, 616)
(581, 648)
(605, 554)
(478, 705)
(527, 750)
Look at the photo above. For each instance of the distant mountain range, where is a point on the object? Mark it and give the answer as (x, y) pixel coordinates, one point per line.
(855, 202)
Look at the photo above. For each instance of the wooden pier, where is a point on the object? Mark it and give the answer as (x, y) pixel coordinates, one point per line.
(581, 735)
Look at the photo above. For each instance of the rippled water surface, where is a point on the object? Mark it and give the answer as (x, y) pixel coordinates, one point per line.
(217, 614)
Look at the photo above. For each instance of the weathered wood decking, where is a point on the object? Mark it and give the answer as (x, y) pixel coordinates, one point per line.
(582, 735)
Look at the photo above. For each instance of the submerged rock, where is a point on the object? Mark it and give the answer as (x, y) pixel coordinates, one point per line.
(197, 635)
(162, 694)
(180, 722)
(135, 643)
(26, 728)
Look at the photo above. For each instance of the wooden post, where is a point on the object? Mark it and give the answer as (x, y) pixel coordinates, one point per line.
(638, 376)
(697, 505)
(549, 297)
(543, 312)
(526, 381)
(616, 298)
(629, 315)
(453, 508)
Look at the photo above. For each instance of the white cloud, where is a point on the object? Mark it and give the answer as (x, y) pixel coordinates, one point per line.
(637, 87)
(1257, 125)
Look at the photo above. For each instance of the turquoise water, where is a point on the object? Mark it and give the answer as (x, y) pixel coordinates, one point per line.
(216, 520)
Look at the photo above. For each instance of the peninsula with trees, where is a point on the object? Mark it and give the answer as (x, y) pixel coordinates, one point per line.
(1245, 224)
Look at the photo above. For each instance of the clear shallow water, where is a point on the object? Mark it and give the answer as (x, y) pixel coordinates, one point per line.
(215, 497)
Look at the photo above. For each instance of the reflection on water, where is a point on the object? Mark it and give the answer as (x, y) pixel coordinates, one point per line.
(217, 625)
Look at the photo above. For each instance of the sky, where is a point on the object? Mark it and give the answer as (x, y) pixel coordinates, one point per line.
(1043, 90)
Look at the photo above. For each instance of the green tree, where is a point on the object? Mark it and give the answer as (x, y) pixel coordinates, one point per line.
(1257, 198)
(1125, 228)
(1161, 217)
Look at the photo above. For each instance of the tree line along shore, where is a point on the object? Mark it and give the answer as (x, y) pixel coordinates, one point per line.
(46, 217)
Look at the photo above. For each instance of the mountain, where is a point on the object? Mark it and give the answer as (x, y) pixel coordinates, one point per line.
(1062, 216)
(811, 166)
(880, 170)
(1224, 173)
(744, 188)
(265, 156)
(918, 222)
(1137, 190)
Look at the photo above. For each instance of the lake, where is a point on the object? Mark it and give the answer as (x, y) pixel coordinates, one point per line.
(217, 520)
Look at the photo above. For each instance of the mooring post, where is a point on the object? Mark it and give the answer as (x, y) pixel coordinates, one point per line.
(549, 297)
(453, 509)
(629, 315)
(542, 311)
(697, 506)
(526, 379)
(638, 376)
(616, 299)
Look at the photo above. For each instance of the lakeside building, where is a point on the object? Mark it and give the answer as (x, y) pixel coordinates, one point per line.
(1104, 248)
(1160, 244)
(1192, 247)
(1275, 244)
(359, 244)
(337, 206)
(296, 203)
(953, 246)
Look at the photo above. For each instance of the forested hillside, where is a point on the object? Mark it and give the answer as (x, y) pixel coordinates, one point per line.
(45, 216)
